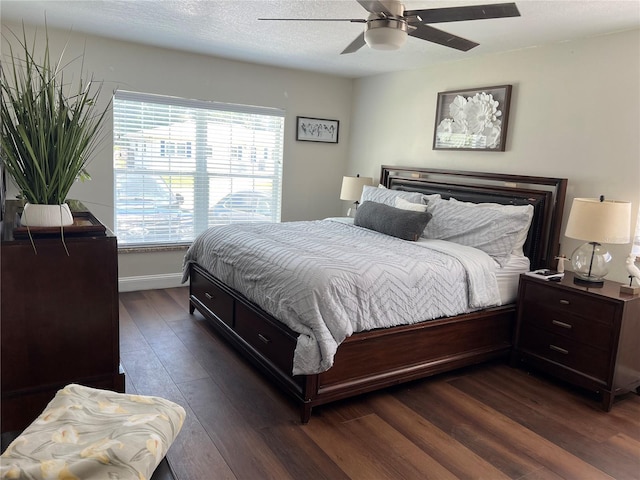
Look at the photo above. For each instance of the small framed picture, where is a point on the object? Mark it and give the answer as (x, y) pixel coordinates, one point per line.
(317, 130)
(472, 119)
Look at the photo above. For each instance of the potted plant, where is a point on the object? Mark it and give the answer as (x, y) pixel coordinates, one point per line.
(49, 129)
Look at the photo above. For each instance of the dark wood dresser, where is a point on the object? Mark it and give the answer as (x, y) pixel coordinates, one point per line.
(58, 314)
(587, 336)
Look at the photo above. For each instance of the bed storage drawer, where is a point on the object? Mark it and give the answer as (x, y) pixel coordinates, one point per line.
(216, 300)
(271, 340)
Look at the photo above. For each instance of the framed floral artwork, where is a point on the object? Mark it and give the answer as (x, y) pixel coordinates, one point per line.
(473, 119)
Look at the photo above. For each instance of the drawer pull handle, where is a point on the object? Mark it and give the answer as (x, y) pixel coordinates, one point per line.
(208, 295)
(565, 302)
(558, 349)
(562, 324)
(264, 339)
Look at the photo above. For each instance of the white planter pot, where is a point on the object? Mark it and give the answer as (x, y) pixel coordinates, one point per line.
(35, 215)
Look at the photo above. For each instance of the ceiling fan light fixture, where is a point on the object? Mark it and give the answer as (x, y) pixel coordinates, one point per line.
(386, 34)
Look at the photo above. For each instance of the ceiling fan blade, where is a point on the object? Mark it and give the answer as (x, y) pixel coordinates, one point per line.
(471, 12)
(355, 45)
(352, 20)
(374, 6)
(434, 35)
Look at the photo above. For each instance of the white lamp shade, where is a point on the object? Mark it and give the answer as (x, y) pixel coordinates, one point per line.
(352, 187)
(592, 220)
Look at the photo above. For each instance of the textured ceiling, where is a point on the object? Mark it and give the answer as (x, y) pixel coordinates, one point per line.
(230, 28)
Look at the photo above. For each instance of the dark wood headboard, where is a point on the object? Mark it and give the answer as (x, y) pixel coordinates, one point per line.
(544, 193)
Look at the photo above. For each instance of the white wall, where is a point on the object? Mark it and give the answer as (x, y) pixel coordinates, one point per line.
(575, 113)
(312, 172)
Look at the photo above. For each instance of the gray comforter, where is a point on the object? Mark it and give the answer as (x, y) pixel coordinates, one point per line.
(327, 279)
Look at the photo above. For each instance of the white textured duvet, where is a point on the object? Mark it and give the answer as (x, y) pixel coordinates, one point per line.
(326, 279)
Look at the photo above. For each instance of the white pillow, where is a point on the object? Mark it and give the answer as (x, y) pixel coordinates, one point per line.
(493, 230)
(528, 209)
(407, 205)
(428, 198)
(387, 196)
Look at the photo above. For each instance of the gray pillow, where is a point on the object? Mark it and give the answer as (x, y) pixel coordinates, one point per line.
(404, 224)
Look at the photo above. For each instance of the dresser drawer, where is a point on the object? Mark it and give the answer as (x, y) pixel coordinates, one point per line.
(274, 342)
(576, 328)
(215, 299)
(557, 348)
(574, 303)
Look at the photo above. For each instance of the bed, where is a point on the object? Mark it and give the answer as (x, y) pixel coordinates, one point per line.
(374, 357)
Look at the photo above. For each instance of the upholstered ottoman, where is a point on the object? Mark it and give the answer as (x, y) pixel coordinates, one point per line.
(86, 433)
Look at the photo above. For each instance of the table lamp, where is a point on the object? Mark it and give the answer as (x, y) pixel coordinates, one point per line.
(596, 221)
(352, 189)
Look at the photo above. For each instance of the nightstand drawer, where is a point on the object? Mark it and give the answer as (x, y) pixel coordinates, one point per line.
(584, 358)
(570, 302)
(573, 327)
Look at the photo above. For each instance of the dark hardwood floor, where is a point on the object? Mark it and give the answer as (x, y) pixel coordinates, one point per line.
(489, 422)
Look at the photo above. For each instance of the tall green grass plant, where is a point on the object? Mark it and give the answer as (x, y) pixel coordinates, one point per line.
(50, 128)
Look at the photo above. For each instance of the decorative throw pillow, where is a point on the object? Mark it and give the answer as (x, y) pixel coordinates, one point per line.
(387, 196)
(495, 231)
(404, 224)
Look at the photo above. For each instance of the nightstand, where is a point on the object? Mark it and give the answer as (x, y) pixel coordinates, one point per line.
(587, 336)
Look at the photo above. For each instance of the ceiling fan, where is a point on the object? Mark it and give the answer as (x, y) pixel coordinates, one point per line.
(389, 24)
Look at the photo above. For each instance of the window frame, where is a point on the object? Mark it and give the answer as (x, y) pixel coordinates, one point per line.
(261, 129)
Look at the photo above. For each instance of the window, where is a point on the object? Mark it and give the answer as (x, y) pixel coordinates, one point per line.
(635, 247)
(181, 166)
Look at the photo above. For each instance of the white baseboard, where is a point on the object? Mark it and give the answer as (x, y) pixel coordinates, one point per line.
(150, 282)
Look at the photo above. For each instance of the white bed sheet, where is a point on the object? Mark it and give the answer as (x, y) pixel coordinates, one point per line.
(509, 276)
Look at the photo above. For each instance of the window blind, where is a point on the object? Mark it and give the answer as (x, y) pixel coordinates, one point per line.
(183, 165)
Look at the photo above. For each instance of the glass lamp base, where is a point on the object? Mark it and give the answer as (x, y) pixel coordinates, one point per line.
(590, 263)
(588, 283)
